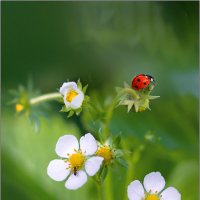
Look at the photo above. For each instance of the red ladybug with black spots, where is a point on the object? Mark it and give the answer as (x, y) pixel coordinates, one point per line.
(141, 81)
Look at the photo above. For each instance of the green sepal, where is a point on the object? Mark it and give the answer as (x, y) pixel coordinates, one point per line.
(122, 162)
(71, 113)
(117, 140)
(34, 120)
(85, 88)
(101, 136)
(65, 109)
(118, 89)
(60, 100)
(79, 84)
(102, 174)
(118, 153)
(137, 101)
(78, 111)
(86, 99)
(153, 97)
(126, 85)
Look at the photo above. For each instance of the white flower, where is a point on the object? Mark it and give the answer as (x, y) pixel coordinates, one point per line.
(76, 161)
(153, 184)
(73, 96)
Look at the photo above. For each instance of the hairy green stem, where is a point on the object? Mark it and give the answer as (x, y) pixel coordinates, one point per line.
(108, 187)
(100, 191)
(108, 117)
(132, 161)
(45, 97)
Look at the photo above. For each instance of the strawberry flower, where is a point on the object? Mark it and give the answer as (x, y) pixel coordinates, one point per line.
(154, 184)
(78, 161)
(72, 95)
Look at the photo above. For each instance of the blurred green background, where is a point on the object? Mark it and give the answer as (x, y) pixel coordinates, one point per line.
(103, 44)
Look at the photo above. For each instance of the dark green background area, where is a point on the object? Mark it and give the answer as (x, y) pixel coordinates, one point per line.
(103, 44)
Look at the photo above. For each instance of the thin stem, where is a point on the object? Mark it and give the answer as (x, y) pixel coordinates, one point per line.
(108, 117)
(108, 187)
(45, 97)
(132, 164)
(100, 191)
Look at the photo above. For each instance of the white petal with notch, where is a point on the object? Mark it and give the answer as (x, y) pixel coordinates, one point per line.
(154, 182)
(135, 191)
(76, 181)
(88, 144)
(66, 145)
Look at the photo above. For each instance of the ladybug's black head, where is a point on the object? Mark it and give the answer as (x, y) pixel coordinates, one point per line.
(151, 78)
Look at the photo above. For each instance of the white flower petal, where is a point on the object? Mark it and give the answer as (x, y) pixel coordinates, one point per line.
(66, 86)
(88, 144)
(57, 170)
(154, 182)
(66, 145)
(77, 100)
(93, 165)
(76, 181)
(170, 194)
(135, 191)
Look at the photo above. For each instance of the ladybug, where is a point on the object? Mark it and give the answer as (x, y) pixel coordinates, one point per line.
(141, 81)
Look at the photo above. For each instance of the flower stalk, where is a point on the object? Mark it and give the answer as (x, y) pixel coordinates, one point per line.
(108, 118)
(132, 161)
(45, 97)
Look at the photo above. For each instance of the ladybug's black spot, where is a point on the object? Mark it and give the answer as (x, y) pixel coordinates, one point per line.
(145, 83)
(138, 80)
(136, 86)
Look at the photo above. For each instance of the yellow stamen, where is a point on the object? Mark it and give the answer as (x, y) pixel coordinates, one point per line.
(70, 95)
(105, 152)
(19, 107)
(152, 197)
(76, 161)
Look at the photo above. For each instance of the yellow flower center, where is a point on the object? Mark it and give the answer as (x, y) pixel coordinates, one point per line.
(105, 152)
(70, 95)
(152, 197)
(19, 107)
(76, 161)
